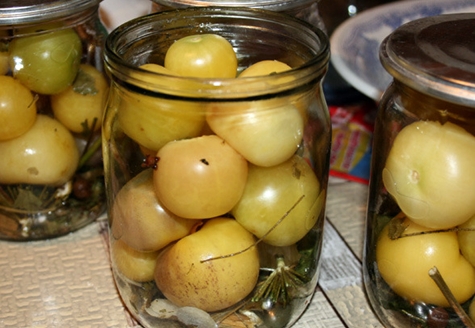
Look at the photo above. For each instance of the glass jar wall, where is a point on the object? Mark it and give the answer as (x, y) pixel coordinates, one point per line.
(216, 185)
(419, 261)
(52, 97)
(303, 9)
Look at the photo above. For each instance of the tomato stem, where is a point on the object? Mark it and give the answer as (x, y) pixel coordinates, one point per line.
(260, 239)
(444, 288)
(397, 228)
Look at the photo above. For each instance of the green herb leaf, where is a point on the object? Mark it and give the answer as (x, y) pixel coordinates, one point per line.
(84, 84)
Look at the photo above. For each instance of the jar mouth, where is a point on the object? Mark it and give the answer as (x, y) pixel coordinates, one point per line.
(274, 36)
(37, 11)
(274, 5)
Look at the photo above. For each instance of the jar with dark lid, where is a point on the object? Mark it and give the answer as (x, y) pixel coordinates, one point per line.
(52, 96)
(303, 9)
(419, 255)
(216, 178)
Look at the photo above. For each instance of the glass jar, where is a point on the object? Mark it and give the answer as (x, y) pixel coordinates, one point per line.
(216, 186)
(421, 208)
(52, 97)
(303, 9)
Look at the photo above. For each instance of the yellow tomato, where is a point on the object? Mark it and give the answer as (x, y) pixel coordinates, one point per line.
(81, 105)
(266, 132)
(265, 67)
(466, 236)
(45, 154)
(271, 192)
(17, 108)
(140, 220)
(202, 55)
(133, 264)
(200, 177)
(404, 263)
(153, 122)
(216, 284)
(430, 172)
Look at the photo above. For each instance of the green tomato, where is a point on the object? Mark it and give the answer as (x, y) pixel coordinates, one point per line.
(202, 55)
(271, 192)
(404, 263)
(46, 63)
(430, 172)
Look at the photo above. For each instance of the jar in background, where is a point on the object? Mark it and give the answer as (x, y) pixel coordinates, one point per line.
(52, 97)
(421, 209)
(216, 186)
(303, 9)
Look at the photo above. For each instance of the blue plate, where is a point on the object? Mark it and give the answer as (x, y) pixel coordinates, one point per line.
(355, 43)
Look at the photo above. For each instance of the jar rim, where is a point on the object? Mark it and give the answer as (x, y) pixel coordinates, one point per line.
(274, 5)
(434, 55)
(35, 11)
(230, 88)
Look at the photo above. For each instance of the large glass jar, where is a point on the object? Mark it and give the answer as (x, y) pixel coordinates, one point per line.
(420, 241)
(51, 102)
(303, 9)
(216, 186)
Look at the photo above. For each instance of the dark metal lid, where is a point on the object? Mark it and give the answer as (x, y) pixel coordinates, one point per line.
(35, 11)
(435, 55)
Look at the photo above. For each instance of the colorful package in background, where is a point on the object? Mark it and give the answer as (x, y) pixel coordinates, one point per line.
(351, 141)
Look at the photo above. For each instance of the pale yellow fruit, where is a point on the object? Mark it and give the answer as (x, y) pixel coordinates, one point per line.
(266, 132)
(153, 122)
(467, 240)
(81, 105)
(216, 284)
(289, 190)
(45, 154)
(404, 263)
(430, 173)
(139, 219)
(17, 108)
(265, 67)
(199, 178)
(132, 264)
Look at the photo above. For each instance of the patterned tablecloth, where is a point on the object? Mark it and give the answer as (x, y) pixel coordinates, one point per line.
(67, 282)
